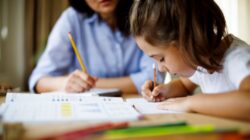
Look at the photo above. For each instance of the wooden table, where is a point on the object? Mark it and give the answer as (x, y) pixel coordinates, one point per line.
(33, 131)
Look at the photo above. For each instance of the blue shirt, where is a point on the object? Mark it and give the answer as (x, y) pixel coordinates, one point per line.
(106, 53)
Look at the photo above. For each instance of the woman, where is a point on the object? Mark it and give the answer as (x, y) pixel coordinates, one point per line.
(110, 54)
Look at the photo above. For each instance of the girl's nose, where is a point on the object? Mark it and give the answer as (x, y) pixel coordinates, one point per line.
(161, 68)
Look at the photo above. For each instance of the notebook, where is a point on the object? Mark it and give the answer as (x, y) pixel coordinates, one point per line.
(145, 107)
(38, 108)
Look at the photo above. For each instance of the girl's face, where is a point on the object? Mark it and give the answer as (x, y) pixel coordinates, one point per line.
(106, 7)
(168, 58)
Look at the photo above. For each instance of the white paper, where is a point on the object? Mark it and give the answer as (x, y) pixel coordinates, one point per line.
(65, 107)
(94, 92)
(145, 107)
(57, 97)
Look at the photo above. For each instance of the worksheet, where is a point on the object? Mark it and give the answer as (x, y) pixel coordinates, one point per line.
(65, 107)
(145, 107)
(57, 97)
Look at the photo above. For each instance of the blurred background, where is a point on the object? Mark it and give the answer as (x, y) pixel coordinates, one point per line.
(26, 24)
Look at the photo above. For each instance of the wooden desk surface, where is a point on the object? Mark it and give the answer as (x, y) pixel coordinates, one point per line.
(41, 130)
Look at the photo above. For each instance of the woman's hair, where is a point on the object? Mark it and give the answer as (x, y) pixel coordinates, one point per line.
(121, 12)
(197, 26)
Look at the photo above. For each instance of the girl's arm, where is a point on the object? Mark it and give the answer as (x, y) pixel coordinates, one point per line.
(234, 104)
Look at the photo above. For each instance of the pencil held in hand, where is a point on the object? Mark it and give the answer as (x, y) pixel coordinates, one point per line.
(77, 53)
(155, 81)
(155, 76)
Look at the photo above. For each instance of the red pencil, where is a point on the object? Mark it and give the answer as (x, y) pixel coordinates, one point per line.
(87, 131)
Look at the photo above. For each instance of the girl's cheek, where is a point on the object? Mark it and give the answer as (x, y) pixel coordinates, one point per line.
(162, 68)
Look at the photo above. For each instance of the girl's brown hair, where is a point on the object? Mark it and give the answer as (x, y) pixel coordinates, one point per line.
(197, 26)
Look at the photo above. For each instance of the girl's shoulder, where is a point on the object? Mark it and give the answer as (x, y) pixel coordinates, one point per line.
(238, 49)
(237, 61)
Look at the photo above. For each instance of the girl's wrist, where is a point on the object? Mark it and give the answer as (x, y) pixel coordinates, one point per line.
(190, 103)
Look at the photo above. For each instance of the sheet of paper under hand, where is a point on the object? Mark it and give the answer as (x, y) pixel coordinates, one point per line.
(145, 107)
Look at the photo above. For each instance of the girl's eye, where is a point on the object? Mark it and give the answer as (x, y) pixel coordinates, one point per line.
(162, 59)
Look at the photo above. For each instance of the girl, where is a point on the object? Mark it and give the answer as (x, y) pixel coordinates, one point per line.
(102, 36)
(188, 38)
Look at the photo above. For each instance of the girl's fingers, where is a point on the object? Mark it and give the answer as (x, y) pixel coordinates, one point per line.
(155, 95)
(147, 98)
(148, 85)
(158, 90)
(146, 90)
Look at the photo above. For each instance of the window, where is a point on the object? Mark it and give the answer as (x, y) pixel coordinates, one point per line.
(3, 27)
(236, 14)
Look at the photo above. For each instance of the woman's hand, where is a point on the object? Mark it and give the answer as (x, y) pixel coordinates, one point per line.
(78, 81)
(177, 104)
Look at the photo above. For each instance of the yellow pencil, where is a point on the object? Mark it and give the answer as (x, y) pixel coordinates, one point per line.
(155, 79)
(155, 76)
(77, 53)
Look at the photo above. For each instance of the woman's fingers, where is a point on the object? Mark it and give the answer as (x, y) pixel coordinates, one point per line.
(79, 81)
(87, 78)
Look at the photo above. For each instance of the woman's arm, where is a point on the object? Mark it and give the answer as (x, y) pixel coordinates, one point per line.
(79, 82)
(76, 81)
(234, 104)
(125, 84)
(49, 84)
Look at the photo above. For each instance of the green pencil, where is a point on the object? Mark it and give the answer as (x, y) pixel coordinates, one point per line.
(158, 131)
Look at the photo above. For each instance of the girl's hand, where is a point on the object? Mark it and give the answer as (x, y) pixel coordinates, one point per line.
(177, 104)
(79, 81)
(159, 93)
